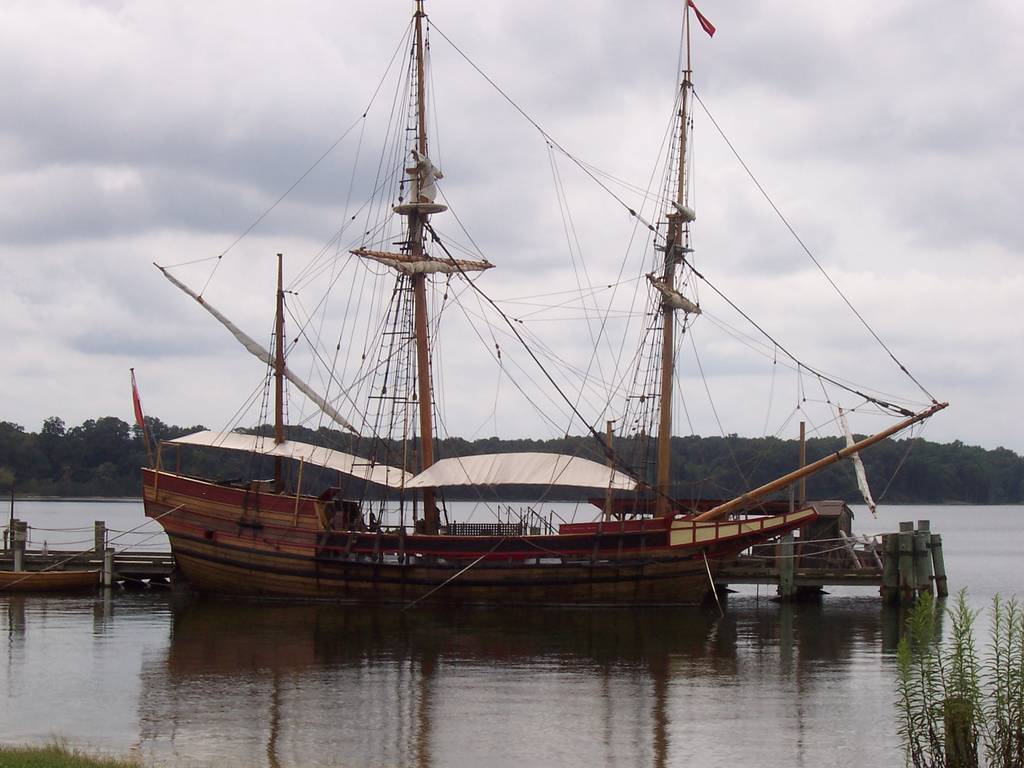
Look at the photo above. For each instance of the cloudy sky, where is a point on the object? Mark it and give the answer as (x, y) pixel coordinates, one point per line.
(891, 136)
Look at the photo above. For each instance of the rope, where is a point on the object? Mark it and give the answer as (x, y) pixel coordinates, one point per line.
(449, 580)
(653, 229)
(910, 446)
(616, 460)
(807, 250)
(331, 148)
(58, 543)
(711, 581)
(547, 137)
(815, 553)
(881, 403)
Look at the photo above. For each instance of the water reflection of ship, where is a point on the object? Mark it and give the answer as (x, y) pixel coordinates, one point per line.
(290, 685)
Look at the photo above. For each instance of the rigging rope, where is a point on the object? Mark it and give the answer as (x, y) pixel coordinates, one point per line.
(888, 406)
(593, 176)
(807, 250)
(605, 450)
(547, 137)
(362, 117)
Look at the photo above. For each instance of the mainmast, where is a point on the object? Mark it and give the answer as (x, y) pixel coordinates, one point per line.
(676, 243)
(417, 219)
(279, 375)
(414, 262)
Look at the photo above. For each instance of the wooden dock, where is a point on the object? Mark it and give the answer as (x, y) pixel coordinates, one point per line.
(901, 565)
(131, 570)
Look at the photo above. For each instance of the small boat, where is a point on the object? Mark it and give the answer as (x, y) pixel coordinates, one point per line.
(48, 581)
(290, 537)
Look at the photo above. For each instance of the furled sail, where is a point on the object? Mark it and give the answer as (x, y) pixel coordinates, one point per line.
(673, 297)
(356, 466)
(858, 466)
(521, 469)
(426, 175)
(259, 351)
(684, 212)
(413, 265)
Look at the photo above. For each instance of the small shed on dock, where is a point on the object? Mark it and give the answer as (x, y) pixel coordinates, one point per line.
(818, 545)
(834, 519)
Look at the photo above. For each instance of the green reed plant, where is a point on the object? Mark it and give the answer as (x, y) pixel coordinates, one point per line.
(952, 703)
(1004, 666)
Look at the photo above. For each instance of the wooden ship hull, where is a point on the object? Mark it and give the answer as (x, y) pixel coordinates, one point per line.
(48, 581)
(234, 541)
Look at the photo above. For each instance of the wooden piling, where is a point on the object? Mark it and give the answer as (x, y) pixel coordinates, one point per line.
(960, 738)
(890, 568)
(803, 463)
(907, 574)
(108, 567)
(923, 560)
(19, 536)
(99, 536)
(787, 568)
(939, 566)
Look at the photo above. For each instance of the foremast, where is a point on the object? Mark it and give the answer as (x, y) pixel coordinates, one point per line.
(676, 245)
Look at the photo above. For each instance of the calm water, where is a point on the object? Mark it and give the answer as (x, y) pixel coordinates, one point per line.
(192, 682)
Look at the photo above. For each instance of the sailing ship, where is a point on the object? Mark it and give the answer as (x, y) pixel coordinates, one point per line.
(280, 538)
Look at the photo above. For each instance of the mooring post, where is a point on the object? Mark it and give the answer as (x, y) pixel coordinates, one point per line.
(99, 536)
(939, 566)
(787, 566)
(19, 534)
(108, 566)
(923, 557)
(890, 568)
(906, 563)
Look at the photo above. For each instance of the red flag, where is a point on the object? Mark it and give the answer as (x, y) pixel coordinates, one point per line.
(706, 25)
(137, 404)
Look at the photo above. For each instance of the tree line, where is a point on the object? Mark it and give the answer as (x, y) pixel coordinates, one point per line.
(102, 457)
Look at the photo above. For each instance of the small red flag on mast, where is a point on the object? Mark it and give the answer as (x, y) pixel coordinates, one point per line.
(706, 25)
(136, 403)
(139, 419)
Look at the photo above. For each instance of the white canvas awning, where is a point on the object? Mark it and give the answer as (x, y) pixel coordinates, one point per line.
(521, 469)
(381, 474)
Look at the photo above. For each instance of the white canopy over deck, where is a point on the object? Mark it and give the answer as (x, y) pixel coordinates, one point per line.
(521, 469)
(357, 466)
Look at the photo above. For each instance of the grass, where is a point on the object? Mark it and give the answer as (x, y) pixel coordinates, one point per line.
(57, 756)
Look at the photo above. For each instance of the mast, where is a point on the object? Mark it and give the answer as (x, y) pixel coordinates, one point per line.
(677, 231)
(279, 375)
(417, 219)
(414, 262)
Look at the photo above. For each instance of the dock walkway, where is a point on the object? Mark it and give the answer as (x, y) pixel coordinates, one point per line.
(130, 568)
